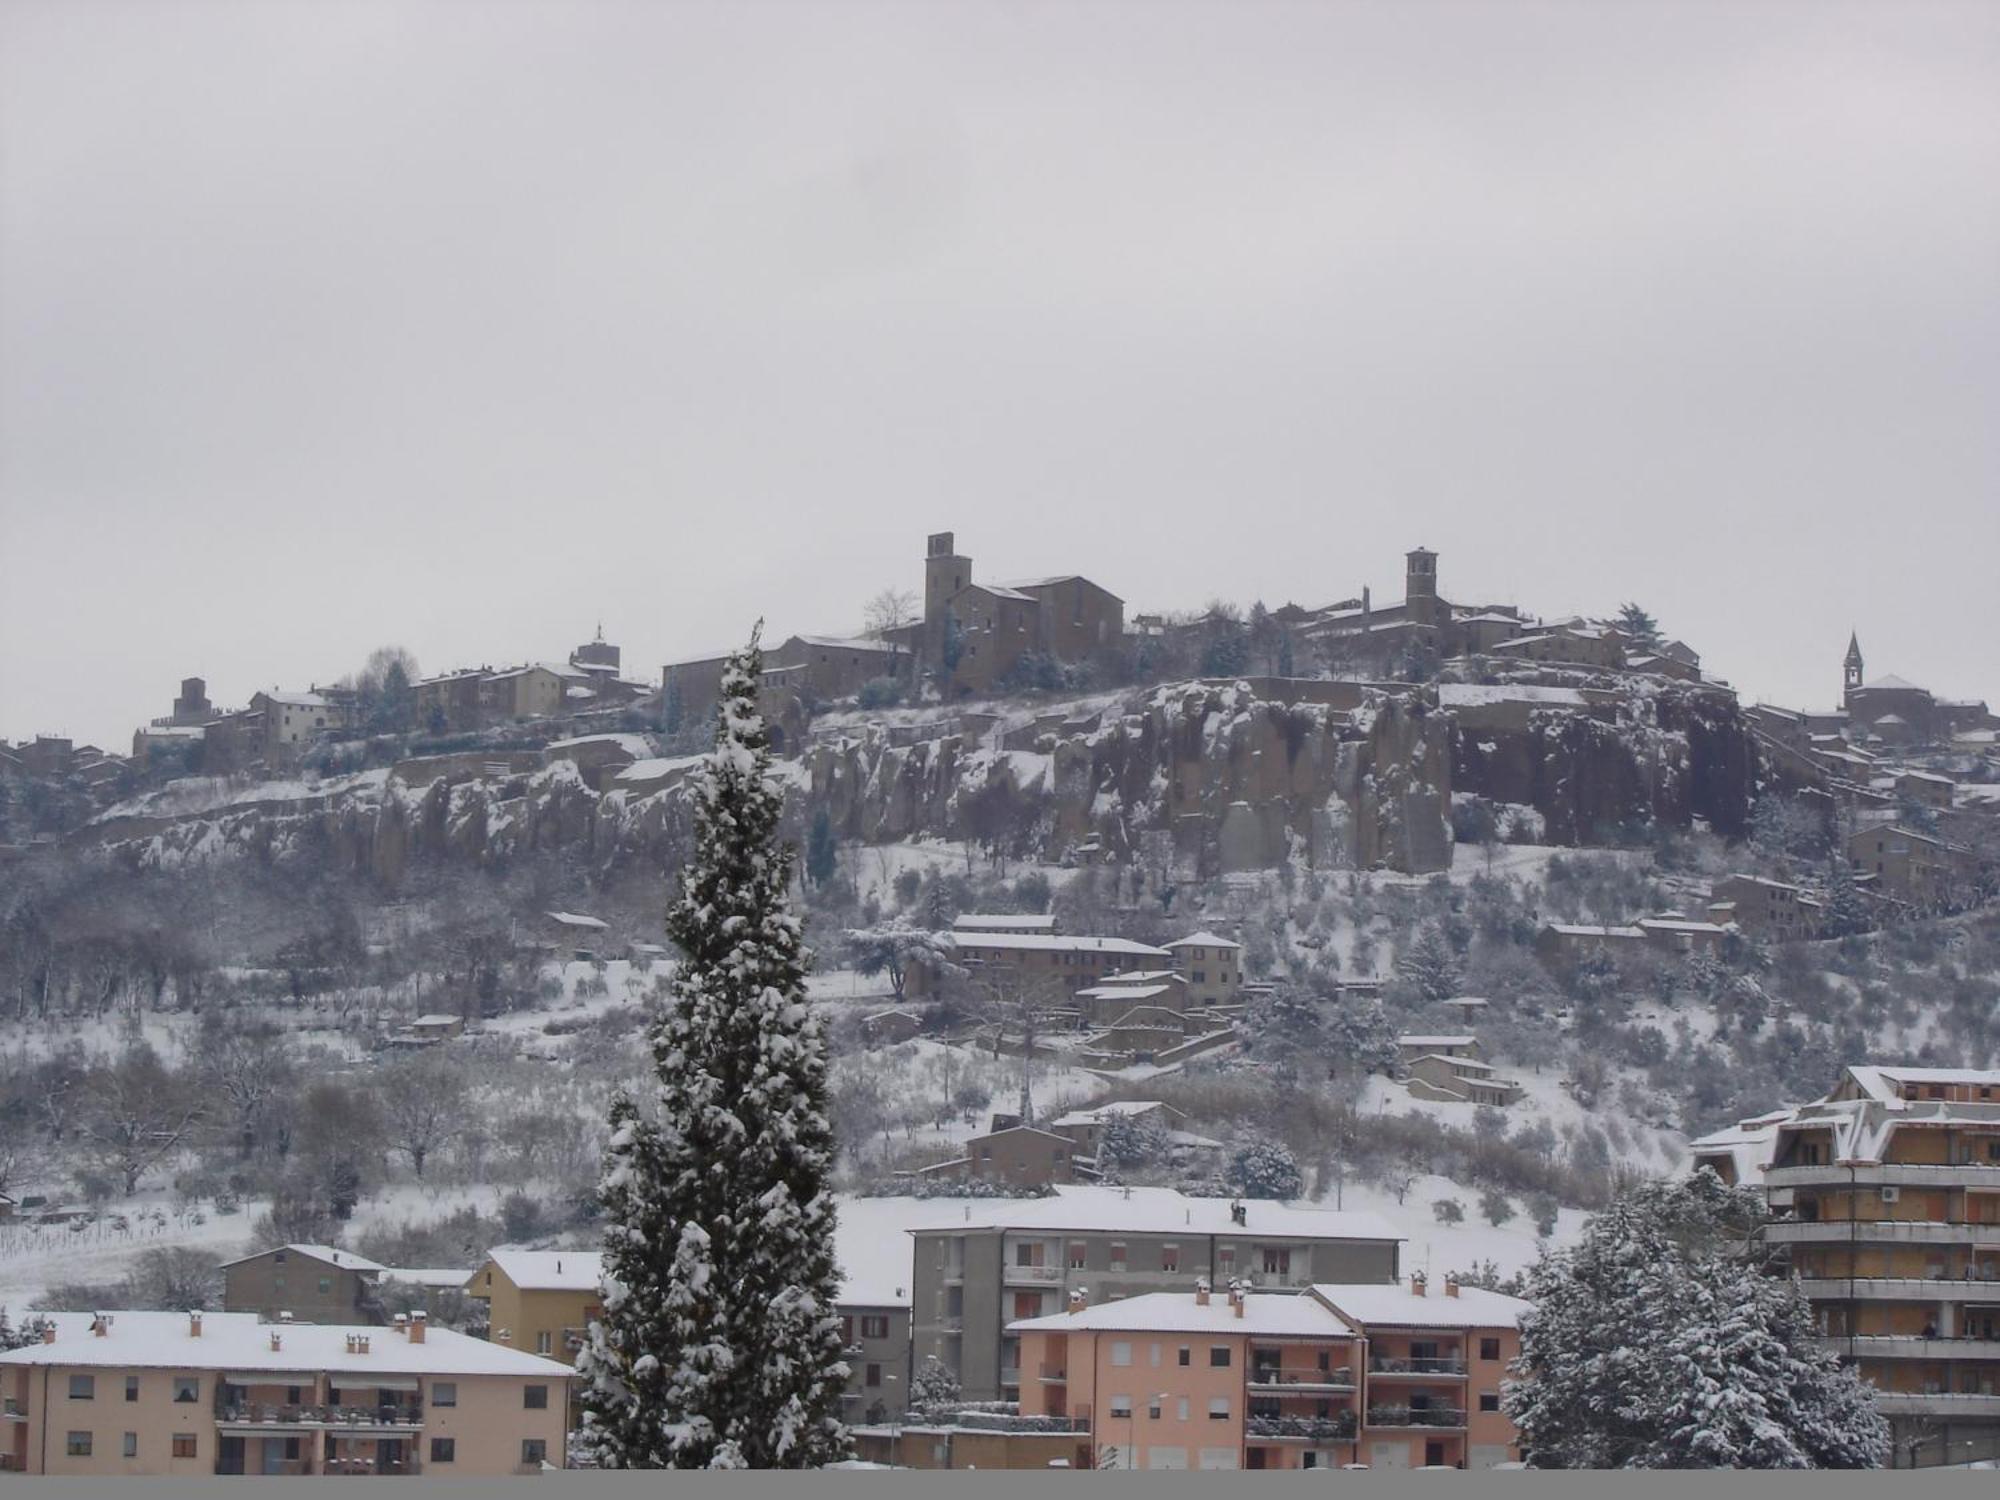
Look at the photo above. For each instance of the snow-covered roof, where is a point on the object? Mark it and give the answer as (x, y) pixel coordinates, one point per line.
(238, 1342)
(1130, 978)
(1893, 683)
(1151, 1210)
(1203, 939)
(1434, 1041)
(850, 643)
(1572, 929)
(1051, 943)
(647, 770)
(1394, 1305)
(1882, 1081)
(994, 922)
(998, 591)
(1670, 924)
(1266, 1313)
(632, 744)
(1126, 992)
(347, 1260)
(438, 1018)
(1467, 694)
(1931, 776)
(1468, 1002)
(574, 919)
(549, 1270)
(440, 1277)
(1104, 1113)
(1749, 1145)
(297, 700)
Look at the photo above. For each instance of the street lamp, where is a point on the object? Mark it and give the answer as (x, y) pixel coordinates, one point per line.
(1132, 1422)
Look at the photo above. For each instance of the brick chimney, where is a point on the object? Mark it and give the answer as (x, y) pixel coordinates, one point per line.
(48, 1333)
(1451, 1285)
(194, 1323)
(1201, 1292)
(1418, 1282)
(418, 1323)
(1079, 1299)
(277, 1341)
(402, 1323)
(1237, 1301)
(100, 1324)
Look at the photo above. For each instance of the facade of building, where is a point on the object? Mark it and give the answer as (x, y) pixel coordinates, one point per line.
(977, 633)
(1769, 910)
(1212, 967)
(540, 1301)
(309, 1283)
(1376, 1374)
(1913, 867)
(1021, 1258)
(138, 1393)
(1894, 1185)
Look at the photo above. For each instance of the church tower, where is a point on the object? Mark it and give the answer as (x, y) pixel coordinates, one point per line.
(945, 573)
(1851, 674)
(1420, 587)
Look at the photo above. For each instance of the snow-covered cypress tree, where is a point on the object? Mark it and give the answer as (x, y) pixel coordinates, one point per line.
(719, 1346)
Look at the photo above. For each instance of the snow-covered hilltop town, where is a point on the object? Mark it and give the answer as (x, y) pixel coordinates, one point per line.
(1241, 1040)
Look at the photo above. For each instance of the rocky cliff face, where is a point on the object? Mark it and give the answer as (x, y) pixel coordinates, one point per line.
(1621, 762)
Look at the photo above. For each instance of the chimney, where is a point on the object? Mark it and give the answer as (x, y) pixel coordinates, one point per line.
(1079, 1299)
(1238, 1301)
(503, 1335)
(48, 1333)
(100, 1324)
(1417, 1283)
(418, 1322)
(361, 1343)
(277, 1341)
(1201, 1292)
(194, 1323)
(284, 1317)
(402, 1323)
(1451, 1285)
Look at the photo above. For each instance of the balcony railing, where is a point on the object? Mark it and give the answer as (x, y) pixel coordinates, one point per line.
(1825, 1288)
(9, 1407)
(402, 1417)
(1414, 1416)
(1304, 1381)
(1044, 1274)
(1382, 1364)
(1339, 1428)
(1909, 1173)
(1000, 1421)
(1878, 1231)
(1052, 1374)
(1911, 1346)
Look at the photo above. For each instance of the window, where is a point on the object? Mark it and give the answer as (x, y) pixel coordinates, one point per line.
(535, 1397)
(1489, 1401)
(1170, 1258)
(874, 1375)
(131, 1445)
(184, 1445)
(83, 1388)
(1489, 1348)
(1121, 1406)
(545, 1342)
(187, 1388)
(292, 1395)
(1078, 1254)
(875, 1327)
(1186, 1356)
(533, 1450)
(1024, 1255)
(79, 1445)
(1218, 1356)
(1153, 1410)
(325, 1285)
(1121, 1353)
(1183, 1408)
(444, 1393)
(444, 1450)
(131, 1387)
(1153, 1352)
(1277, 1260)
(278, 1258)
(1218, 1408)
(1117, 1253)
(278, 1281)
(846, 1331)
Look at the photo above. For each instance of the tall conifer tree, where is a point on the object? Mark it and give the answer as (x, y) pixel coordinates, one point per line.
(719, 1346)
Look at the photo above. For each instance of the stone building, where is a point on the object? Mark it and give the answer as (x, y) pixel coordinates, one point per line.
(977, 633)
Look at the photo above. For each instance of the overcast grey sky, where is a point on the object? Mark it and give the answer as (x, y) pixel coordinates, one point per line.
(464, 325)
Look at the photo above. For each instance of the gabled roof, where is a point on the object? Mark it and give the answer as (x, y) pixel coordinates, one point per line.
(1203, 939)
(346, 1260)
(1149, 1210)
(1893, 683)
(1264, 1313)
(1394, 1305)
(1049, 943)
(548, 1270)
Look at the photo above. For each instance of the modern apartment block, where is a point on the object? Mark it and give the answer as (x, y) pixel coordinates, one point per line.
(1894, 1182)
(1383, 1375)
(1022, 1258)
(220, 1393)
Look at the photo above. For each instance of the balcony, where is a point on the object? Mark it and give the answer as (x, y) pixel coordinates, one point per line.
(1276, 1382)
(1053, 1374)
(1449, 1366)
(399, 1420)
(1944, 1406)
(1911, 1346)
(950, 1323)
(1880, 1232)
(1894, 1173)
(12, 1411)
(1035, 1275)
(1415, 1416)
(1898, 1289)
(1339, 1428)
(1001, 1421)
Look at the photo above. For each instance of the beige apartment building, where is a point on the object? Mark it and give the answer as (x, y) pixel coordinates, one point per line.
(1021, 1258)
(1894, 1184)
(1385, 1375)
(144, 1393)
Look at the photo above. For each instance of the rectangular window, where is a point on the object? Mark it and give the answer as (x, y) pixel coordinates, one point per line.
(131, 1387)
(184, 1445)
(1183, 1408)
(1489, 1348)
(278, 1281)
(1078, 1255)
(1121, 1353)
(1170, 1257)
(535, 1397)
(1117, 1256)
(1277, 1260)
(1218, 1408)
(1186, 1356)
(875, 1327)
(1489, 1401)
(1121, 1406)
(1154, 1353)
(874, 1375)
(846, 1332)
(533, 1450)
(444, 1450)
(187, 1388)
(83, 1388)
(79, 1445)
(131, 1445)
(545, 1342)
(444, 1393)
(1218, 1356)
(325, 1285)
(1153, 1410)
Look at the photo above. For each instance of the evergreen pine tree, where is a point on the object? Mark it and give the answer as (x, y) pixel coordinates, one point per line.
(1640, 626)
(719, 1346)
(822, 850)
